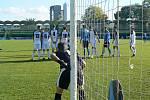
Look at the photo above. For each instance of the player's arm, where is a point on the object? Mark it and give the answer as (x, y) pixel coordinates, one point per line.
(41, 38)
(33, 36)
(61, 35)
(83, 63)
(113, 38)
(49, 34)
(97, 36)
(56, 59)
(81, 35)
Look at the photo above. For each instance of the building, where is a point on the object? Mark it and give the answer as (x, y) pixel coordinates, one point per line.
(55, 12)
(65, 12)
(62, 15)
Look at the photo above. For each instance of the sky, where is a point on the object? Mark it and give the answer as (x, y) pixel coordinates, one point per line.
(39, 9)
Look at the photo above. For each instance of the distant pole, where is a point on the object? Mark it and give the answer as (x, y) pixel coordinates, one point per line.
(73, 48)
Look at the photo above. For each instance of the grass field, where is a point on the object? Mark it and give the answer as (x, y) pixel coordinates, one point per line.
(23, 79)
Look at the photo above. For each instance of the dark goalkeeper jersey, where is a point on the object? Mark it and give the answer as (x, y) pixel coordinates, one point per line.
(65, 57)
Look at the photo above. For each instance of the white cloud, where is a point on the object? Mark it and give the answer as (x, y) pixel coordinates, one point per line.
(14, 13)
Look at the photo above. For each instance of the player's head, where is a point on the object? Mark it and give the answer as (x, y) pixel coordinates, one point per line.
(115, 27)
(105, 29)
(54, 27)
(64, 28)
(46, 29)
(61, 46)
(38, 27)
(84, 26)
(132, 27)
(90, 27)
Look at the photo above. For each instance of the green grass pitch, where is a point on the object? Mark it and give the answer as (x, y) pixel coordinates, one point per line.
(23, 79)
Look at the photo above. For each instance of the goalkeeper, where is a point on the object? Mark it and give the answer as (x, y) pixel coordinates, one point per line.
(63, 58)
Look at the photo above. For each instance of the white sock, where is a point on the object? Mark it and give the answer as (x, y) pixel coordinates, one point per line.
(33, 56)
(49, 54)
(93, 51)
(43, 54)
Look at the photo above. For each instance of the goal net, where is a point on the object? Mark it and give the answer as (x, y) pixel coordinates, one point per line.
(108, 61)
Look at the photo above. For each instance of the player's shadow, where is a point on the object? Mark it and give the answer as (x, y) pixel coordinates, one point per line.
(14, 56)
(15, 50)
(23, 61)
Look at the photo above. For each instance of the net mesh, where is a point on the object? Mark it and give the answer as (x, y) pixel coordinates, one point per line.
(132, 72)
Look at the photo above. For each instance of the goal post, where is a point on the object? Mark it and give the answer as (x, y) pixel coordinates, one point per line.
(73, 49)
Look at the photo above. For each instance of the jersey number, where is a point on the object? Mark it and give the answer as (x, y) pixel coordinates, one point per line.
(64, 35)
(37, 35)
(53, 33)
(45, 35)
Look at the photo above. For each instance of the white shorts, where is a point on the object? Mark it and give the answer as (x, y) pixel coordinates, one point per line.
(65, 41)
(45, 45)
(93, 43)
(132, 44)
(37, 46)
(115, 43)
(54, 45)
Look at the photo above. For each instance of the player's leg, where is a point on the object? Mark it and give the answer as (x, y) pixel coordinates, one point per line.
(84, 46)
(88, 50)
(114, 50)
(58, 93)
(56, 45)
(134, 50)
(62, 83)
(52, 47)
(80, 86)
(93, 48)
(81, 94)
(92, 52)
(118, 51)
(39, 50)
(49, 56)
(103, 50)
(47, 48)
(108, 45)
(43, 50)
(33, 54)
(34, 49)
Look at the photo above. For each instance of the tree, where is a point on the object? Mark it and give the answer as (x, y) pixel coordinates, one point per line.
(93, 13)
(146, 10)
(30, 21)
(146, 3)
(15, 22)
(132, 11)
(7, 22)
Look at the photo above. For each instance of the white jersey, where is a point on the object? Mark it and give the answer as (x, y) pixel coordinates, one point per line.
(92, 36)
(45, 37)
(37, 37)
(54, 35)
(64, 37)
(132, 38)
(116, 39)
